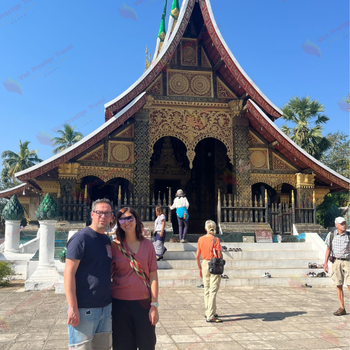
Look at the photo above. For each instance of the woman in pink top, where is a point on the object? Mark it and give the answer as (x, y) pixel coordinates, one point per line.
(135, 295)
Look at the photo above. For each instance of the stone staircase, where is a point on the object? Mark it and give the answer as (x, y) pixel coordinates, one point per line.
(286, 262)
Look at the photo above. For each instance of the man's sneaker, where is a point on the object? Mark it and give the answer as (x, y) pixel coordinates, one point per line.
(214, 320)
(339, 312)
(182, 241)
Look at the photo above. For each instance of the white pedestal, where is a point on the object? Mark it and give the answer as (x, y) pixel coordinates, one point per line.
(12, 231)
(46, 274)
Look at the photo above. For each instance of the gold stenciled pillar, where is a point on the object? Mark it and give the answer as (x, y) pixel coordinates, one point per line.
(305, 185)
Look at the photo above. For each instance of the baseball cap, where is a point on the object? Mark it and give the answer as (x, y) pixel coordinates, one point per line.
(339, 220)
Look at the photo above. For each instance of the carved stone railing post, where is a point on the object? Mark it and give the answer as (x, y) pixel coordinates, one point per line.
(46, 275)
(13, 213)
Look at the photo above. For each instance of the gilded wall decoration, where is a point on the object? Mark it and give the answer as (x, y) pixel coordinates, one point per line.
(188, 50)
(320, 193)
(191, 126)
(273, 180)
(305, 180)
(49, 186)
(205, 60)
(127, 133)
(280, 164)
(183, 83)
(68, 170)
(254, 139)
(223, 91)
(95, 155)
(121, 152)
(106, 173)
(157, 87)
(259, 159)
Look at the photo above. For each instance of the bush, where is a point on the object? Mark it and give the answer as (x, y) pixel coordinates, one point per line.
(5, 273)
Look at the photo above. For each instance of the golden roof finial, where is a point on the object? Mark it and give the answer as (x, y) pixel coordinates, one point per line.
(148, 59)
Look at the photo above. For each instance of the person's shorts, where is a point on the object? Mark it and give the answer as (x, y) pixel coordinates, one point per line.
(94, 330)
(341, 272)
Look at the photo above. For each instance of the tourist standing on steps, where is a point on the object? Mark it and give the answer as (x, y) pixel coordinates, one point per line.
(341, 267)
(211, 282)
(134, 285)
(87, 282)
(181, 205)
(159, 233)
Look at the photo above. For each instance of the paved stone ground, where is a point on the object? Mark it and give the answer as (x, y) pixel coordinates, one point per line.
(254, 318)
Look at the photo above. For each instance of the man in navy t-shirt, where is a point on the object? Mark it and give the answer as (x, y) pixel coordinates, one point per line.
(87, 282)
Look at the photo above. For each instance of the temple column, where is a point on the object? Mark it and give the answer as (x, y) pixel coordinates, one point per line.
(142, 156)
(242, 157)
(305, 185)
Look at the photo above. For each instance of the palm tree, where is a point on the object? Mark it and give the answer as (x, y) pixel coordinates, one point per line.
(304, 112)
(15, 162)
(68, 138)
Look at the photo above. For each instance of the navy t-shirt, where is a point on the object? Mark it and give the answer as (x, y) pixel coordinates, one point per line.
(93, 276)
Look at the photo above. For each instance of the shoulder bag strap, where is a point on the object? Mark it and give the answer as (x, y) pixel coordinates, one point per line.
(331, 241)
(135, 265)
(213, 248)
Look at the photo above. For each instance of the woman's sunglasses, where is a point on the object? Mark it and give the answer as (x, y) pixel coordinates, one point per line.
(126, 219)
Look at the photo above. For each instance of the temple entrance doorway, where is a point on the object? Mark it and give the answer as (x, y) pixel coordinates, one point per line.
(98, 189)
(211, 170)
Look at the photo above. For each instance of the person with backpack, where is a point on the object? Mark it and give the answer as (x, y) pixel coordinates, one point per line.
(338, 252)
(181, 205)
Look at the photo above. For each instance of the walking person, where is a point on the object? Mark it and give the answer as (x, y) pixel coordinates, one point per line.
(205, 247)
(338, 245)
(134, 285)
(87, 282)
(159, 233)
(181, 205)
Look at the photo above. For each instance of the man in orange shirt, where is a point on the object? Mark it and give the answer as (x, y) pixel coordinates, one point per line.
(206, 247)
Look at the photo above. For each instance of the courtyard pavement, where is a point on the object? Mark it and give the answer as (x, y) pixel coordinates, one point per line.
(292, 317)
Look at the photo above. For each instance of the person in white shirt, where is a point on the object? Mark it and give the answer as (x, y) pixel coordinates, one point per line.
(181, 204)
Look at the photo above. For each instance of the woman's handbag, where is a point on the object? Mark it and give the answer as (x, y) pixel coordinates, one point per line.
(182, 213)
(216, 265)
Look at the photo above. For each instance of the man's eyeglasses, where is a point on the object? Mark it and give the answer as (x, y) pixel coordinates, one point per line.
(126, 219)
(99, 213)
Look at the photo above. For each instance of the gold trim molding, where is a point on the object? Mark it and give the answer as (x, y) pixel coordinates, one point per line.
(106, 173)
(273, 180)
(191, 126)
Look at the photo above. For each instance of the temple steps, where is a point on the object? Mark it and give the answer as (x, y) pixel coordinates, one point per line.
(286, 262)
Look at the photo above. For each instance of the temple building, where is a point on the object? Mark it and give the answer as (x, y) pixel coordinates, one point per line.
(194, 120)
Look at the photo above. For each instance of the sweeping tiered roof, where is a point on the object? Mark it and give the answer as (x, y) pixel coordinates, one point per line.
(258, 108)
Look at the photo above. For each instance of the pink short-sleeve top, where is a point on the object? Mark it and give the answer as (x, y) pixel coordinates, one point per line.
(126, 285)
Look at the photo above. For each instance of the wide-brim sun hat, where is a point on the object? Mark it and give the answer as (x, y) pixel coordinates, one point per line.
(180, 193)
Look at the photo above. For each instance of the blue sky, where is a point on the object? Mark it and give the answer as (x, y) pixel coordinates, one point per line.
(82, 54)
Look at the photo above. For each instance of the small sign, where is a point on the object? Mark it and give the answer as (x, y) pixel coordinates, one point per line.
(248, 239)
(263, 236)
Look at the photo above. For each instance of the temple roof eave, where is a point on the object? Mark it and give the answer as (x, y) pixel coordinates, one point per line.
(85, 143)
(8, 193)
(265, 127)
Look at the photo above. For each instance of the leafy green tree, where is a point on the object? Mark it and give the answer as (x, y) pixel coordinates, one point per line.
(337, 157)
(68, 138)
(15, 162)
(307, 116)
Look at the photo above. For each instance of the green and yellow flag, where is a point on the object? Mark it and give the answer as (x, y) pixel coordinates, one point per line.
(175, 9)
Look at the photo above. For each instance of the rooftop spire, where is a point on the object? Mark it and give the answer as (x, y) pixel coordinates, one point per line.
(161, 33)
(174, 15)
(148, 59)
